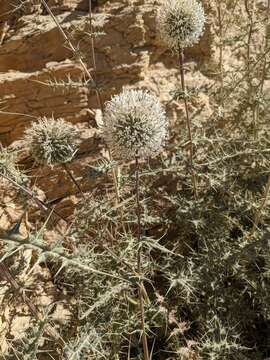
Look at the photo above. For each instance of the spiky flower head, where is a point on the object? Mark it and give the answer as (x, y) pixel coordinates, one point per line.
(52, 141)
(181, 22)
(135, 124)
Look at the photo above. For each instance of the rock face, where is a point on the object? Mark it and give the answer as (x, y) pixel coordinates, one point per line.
(34, 56)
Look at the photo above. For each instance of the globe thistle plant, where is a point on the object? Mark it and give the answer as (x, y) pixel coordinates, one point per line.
(51, 141)
(181, 23)
(135, 124)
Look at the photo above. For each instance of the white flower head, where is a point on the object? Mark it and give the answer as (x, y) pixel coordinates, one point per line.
(135, 124)
(181, 22)
(52, 141)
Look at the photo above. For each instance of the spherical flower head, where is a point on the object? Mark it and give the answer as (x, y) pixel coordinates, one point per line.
(52, 141)
(135, 124)
(181, 22)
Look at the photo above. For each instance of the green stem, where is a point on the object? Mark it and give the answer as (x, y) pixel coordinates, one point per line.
(220, 24)
(73, 179)
(188, 122)
(139, 263)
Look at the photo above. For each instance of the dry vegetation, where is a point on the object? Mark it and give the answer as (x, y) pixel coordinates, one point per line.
(170, 257)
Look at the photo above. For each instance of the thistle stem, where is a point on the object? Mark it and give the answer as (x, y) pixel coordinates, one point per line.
(32, 196)
(249, 11)
(73, 179)
(265, 47)
(220, 24)
(264, 68)
(188, 123)
(92, 40)
(260, 210)
(139, 263)
(250, 31)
